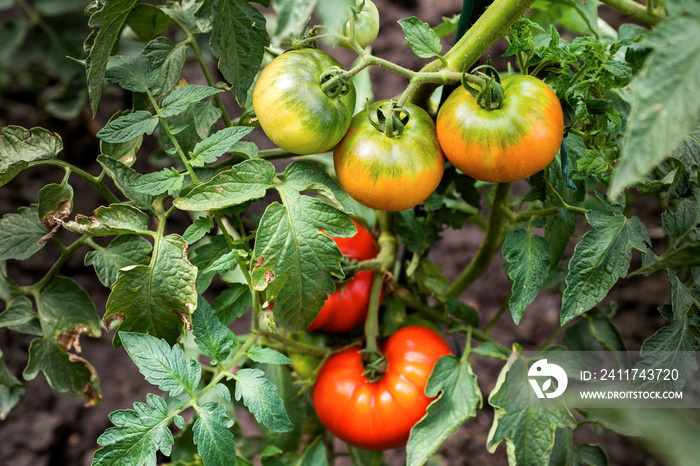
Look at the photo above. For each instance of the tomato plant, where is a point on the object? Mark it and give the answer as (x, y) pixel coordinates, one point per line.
(346, 309)
(391, 168)
(295, 110)
(560, 176)
(378, 414)
(509, 143)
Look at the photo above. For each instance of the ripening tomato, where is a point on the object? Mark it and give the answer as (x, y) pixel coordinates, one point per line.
(347, 308)
(293, 109)
(389, 173)
(366, 24)
(510, 143)
(378, 415)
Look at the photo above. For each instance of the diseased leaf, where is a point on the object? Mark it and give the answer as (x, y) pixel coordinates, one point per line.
(666, 107)
(459, 397)
(528, 258)
(19, 145)
(158, 298)
(211, 435)
(117, 219)
(601, 257)
(238, 40)
(67, 311)
(124, 251)
(137, 436)
(21, 233)
(260, 397)
(161, 365)
(247, 180)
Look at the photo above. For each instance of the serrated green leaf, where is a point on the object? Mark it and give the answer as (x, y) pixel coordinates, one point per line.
(528, 430)
(66, 374)
(138, 435)
(195, 124)
(128, 127)
(134, 74)
(232, 302)
(18, 312)
(238, 40)
(291, 16)
(528, 258)
(21, 233)
(248, 180)
(213, 147)
(169, 59)
(162, 365)
(210, 334)
(167, 180)
(199, 228)
(182, 97)
(64, 307)
(107, 19)
(565, 453)
(459, 397)
(421, 38)
(155, 298)
(267, 356)
(147, 21)
(666, 107)
(116, 219)
(260, 397)
(211, 435)
(52, 197)
(204, 255)
(687, 255)
(491, 350)
(123, 251)
(19, 145)
(601, 257)
(314, 454)
(306, 176)
(614, 420)
(430, 279)
(684, 220)
(11, 390)
(294, 260)
(123, 177)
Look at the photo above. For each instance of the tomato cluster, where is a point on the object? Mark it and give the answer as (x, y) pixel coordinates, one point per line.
(346, 309)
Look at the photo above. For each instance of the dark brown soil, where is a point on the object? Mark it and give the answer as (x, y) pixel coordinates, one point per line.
(51, 429)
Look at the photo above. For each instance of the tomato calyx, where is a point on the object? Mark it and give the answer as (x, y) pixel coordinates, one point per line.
(489, 95)
(375, 365)
(335, 82)
(391, 119)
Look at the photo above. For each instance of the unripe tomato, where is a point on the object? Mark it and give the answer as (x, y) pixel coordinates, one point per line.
(378, 415)
(389, 173)
(366, 24)
(510, 143)
(347, 308)
(292, 108)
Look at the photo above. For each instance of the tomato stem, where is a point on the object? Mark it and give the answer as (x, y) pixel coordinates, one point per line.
(636, 11)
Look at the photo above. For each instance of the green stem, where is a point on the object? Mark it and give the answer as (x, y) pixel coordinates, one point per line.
(537, 213)
(488, 249)
(295, 346)
(492, 25)
(498, 315)
(95, 181)
(66, 252)
(635, 11)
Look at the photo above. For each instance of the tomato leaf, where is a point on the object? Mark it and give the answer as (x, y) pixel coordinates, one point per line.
(666, 107)
(267, 356)
(19, 146)
(528, 430)
(18, 312)
(211, 336)
(687, 255)
(199, 228)
(238, 40)
(147, 21)
(421, 38)
(193, 125)
(125, 250)
(182, 97)
(123, 177)
(167, 180)
(169, 59)
(217, 144)
(314, 454)
(128, 127)
(155, 298)
(528, 258)
(161, 365)
(247, 180)
(134, 74)
(601, 258)
(212, 436)
(116, 219)
(565, 452)
(306, 176)
(107, 20)
(232, 302)
(11, 390)
(459, 397)
(138, 434)
(260, 397)
(21, 233)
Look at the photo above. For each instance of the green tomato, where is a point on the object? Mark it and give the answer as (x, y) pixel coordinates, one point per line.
(366, 24)
(293, 109)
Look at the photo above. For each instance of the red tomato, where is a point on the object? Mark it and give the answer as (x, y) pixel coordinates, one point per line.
(347, 308)
(378, 415)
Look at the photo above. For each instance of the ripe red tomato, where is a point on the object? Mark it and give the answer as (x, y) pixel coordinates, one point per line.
(347, 308)
(389, 173)
(510, 143)
(378, 415)
(292, 108)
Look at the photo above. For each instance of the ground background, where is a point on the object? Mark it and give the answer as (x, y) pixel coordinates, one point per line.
(51, 429)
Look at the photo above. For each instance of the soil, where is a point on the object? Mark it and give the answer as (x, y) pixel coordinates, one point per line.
(52, 429)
